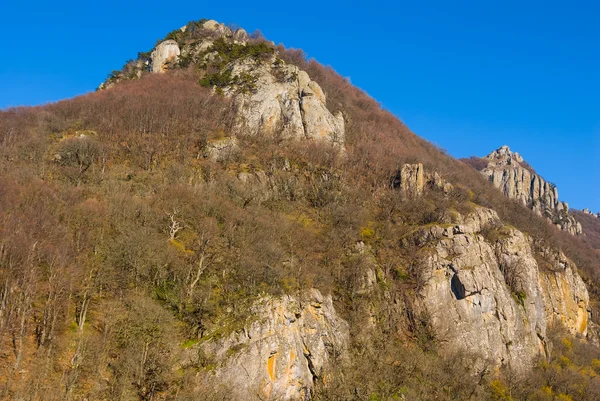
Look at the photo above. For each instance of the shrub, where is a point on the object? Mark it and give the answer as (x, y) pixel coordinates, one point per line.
(77, 155)
(229, 51)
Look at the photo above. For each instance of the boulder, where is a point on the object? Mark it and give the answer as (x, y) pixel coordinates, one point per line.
(240, 35)
(211, 25)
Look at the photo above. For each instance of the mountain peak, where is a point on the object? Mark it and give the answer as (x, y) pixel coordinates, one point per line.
(504, 153)
(272, 97)
(510, 173)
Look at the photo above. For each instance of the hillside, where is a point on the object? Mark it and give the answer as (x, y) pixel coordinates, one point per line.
(591, 228)
(225, 219)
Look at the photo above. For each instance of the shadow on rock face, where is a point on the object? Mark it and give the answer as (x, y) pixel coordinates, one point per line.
(458, 289)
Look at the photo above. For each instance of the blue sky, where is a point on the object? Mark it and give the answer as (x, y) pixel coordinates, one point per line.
(467, 75)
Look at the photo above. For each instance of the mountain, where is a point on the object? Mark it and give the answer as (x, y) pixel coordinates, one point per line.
(516, 179)
(224, 219)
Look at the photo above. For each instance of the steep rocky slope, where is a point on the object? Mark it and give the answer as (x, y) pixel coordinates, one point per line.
(484, 290)
(481, 287)
(492, 296)
(271, 97)
(227, 220)
(287, 344)
(514, 177)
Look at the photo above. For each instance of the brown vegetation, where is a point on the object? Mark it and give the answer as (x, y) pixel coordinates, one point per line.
(476, 162)
(591, 228)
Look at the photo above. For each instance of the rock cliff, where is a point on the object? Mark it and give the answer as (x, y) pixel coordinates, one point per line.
(486, 293)
(512, 175)
(165, 52)
(286, 345)
(413, 180)
(288, 106)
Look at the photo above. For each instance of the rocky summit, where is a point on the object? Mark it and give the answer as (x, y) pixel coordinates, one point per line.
(271, 97)
(516, 179)
(226, 220)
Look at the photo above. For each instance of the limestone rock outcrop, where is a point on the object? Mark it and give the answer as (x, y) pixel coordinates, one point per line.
(491, 298)
(290, 106)
(588, 211)
(220, 29)
(165, 52)
(508, 171)
(288, 343)
(221, 149)
(412, 180)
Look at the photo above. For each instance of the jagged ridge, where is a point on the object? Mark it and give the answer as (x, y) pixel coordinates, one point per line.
(516, 179)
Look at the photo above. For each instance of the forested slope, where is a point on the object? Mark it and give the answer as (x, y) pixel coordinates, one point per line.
(151, 243)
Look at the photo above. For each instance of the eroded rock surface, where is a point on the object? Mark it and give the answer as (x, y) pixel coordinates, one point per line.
(412, 180)
(289, 343)
(508, 172)
(165, 52)
(491, 297)
(289, 106)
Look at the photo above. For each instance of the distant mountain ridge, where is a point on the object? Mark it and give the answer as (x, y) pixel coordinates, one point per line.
(510, 173)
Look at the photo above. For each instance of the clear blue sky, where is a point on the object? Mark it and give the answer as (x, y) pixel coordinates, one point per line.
(468, 76)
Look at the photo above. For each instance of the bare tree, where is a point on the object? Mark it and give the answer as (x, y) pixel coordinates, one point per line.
(174, 225)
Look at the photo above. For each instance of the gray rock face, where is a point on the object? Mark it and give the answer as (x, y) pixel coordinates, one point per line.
(412, 180)
(484, 295)
(289, 107)
(163, 53)
(290, 343)
(492, 298)
(221, 29)
(507, 171)
(240, 35)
